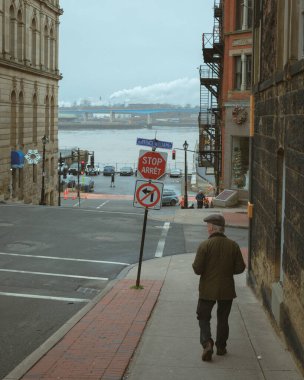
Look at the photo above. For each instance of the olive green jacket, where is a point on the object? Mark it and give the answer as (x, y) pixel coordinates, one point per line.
(217, 260)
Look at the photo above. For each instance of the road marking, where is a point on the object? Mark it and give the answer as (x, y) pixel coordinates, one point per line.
(64, 258)
(161, 244)
(54, 274)
(44, 297)
(104, 203)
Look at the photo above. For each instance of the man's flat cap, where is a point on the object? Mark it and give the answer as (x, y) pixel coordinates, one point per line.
(216, 219)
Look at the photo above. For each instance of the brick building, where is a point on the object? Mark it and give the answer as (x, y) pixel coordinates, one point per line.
(28, 98)
(227, 54)
(276, 258)
(235, 95)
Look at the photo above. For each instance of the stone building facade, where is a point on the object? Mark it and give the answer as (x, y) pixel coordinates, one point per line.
(29, 78)
(276, 259)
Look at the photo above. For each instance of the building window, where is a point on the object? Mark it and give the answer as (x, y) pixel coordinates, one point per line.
(238, 14)
(52, 49)
(33, 40)
(19, 36)
(47, 117)
(248, 71)
(52, 129)
(242, 72)
(21, 120)
(240, 162)
(46, 47)
(243, 14)
(12, 33)
(13, 119)
(237, 72)
(35, 118)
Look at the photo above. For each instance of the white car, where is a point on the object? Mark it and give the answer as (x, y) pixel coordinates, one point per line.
(175, 173)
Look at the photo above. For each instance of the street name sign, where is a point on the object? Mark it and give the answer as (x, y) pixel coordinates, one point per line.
(148, 194)
(154, 143)
(151, 165)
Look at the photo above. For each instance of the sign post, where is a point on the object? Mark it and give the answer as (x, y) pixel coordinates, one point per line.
(141, 252)
(148, 194)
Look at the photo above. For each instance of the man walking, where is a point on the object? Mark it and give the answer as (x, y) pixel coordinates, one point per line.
(217, 260)
(200, 196)
(112, 179)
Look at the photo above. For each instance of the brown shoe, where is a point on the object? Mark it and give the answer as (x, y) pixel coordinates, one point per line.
(208, 351)
(221, 351)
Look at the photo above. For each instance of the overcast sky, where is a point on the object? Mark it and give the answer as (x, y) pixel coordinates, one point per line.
(131, 51)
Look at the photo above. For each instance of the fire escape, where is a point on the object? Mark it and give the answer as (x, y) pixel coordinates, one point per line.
(210, 140)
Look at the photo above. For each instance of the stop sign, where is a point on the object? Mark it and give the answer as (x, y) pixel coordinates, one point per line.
(152, 165)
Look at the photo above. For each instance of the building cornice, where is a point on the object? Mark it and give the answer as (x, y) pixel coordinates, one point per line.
(54, 8)
(29, 70)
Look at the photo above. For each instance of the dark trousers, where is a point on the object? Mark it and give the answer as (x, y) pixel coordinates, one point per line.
(200, 204)
(204, 309)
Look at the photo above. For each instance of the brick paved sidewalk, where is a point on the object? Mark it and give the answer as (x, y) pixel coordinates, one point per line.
(102, 343)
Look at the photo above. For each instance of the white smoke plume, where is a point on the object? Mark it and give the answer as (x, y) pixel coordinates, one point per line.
(180, 92)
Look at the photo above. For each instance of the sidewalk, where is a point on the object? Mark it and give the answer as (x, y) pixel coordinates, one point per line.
(153, 333)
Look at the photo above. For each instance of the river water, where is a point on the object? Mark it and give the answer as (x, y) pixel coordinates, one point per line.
(118, 146)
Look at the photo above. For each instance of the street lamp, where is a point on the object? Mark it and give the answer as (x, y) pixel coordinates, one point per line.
(44, 140)
(185, 146)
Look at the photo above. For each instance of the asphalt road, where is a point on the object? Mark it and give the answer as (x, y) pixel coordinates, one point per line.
(54, 260)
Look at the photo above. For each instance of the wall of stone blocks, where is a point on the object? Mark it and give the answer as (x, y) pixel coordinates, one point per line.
(279, 127)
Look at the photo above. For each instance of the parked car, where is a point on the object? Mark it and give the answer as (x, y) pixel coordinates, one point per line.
(92, 170)
(73, 169)
(86, 184)
(175, 173)
(108, 170)
(126, 170)
(169, 198)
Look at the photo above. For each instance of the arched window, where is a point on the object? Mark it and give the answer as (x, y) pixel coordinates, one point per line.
(46, 47)
(13, 129)
(21, 119)
(12, 33)
(47, 117)
(52, 49)
(19, 36)
(34, 42)
(52, 134)
(35, 119)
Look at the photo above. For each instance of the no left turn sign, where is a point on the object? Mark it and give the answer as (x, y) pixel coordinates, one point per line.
(148, 194)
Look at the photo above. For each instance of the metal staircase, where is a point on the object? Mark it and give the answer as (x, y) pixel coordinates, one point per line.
(210, 139)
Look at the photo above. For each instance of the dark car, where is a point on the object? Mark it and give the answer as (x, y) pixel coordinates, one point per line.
(92, 170)
(108, 170)
(169, 198)
(126, 170)
(86, 184)
(73, 169)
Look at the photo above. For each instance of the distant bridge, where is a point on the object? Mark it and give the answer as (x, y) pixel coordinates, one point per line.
(130, 111)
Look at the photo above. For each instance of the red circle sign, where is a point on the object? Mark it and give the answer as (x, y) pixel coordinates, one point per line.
(145, 195)
(151, 165)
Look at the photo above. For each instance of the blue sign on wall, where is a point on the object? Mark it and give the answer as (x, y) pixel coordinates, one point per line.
(17, 159)
(154, 143)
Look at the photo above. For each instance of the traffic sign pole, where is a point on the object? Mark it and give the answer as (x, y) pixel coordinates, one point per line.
(141, 253)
